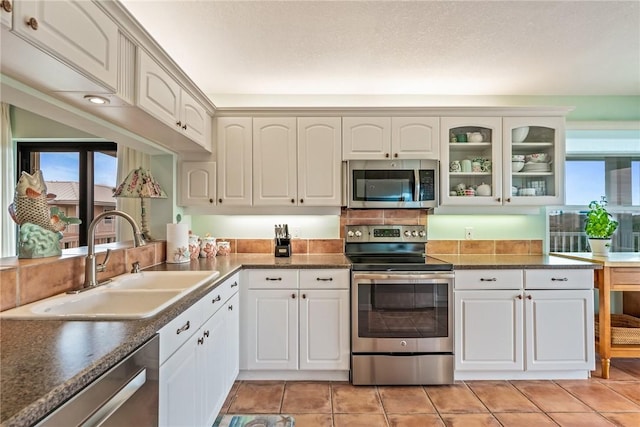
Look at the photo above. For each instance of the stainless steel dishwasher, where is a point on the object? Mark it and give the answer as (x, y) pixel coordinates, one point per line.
(126, 395)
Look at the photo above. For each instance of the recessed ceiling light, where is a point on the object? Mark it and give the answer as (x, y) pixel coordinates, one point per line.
(95, 99)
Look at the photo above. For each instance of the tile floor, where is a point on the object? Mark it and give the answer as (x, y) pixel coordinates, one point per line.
(581, 403)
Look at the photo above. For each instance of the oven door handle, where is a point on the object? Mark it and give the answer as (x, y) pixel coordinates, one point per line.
(402, 276)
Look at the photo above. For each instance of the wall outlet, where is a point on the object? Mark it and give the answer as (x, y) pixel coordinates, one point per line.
(468, 233)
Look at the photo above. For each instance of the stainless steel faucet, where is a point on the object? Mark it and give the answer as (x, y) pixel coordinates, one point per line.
(91, 266)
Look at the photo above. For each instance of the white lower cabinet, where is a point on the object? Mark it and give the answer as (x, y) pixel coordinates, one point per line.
(295, 320)
(196, 374)
(524, 329)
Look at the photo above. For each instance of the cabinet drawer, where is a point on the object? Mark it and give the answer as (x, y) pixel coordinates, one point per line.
(558, 279)
(218, 296)
(272, 279)
(331, 278)
(179, 330)
(488, 279)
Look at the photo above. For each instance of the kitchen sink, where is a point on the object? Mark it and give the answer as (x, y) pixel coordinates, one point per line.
(129, 296)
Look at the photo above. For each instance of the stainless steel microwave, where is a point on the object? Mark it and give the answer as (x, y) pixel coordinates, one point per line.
(392, 184)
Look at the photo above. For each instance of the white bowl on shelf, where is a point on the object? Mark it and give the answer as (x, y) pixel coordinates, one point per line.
(519, 134)
(517, 166)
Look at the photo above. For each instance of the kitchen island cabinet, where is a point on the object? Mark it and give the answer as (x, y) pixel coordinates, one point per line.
(620, 272)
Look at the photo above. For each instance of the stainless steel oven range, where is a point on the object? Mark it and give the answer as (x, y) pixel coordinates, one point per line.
(401, 307)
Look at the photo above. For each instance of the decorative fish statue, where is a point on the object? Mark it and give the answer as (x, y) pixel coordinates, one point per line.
(30, 204)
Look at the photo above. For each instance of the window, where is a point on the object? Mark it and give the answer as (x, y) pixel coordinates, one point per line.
(82, 175)
(599, 163)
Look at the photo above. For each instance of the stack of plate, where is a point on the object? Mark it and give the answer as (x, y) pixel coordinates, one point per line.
(536, 167)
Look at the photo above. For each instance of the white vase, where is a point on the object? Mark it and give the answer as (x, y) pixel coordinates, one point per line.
(600, 247)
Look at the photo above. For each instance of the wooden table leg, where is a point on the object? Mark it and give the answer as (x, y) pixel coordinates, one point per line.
(604, 319)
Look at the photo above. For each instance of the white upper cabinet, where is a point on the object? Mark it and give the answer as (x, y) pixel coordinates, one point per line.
(197, 183)
(274, 161)
(160, 95)
(319, 161)
(415, 137)
(77, 32)
(366, 138)
(234, 161)
(380, 138)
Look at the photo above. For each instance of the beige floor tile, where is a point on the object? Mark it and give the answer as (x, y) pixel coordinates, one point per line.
(348, 399)
(599, 397)
(257, 398)
(550, 397)
(623, 419)
(359, 420)
(415, 420)
(405, 400)
(304, 397)
(577, 419)
(454, 399)
(470, 420)
(312, 420)
(529, 419)
(501, 396)
(630, 390)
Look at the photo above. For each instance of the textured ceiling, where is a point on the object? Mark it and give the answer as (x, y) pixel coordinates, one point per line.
(400, 47)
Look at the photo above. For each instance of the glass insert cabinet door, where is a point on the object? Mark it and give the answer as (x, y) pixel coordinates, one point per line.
(533, 160)
(471, 161)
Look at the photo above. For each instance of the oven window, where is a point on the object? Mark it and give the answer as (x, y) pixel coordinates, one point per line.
(403, 311)
(383, 185)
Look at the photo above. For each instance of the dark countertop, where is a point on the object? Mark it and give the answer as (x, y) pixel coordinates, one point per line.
(477, 262)
(45, 362)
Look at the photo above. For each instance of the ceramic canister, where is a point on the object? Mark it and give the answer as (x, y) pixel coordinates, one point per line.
(194, 246)
(208, 247)
(465, 165)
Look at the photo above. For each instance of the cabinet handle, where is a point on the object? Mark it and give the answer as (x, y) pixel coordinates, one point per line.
(324, 279)
(33, 23)
(234, 284)
(274, 279)
(491, 279)
(230, 308)
(200, 341)
(6, 5)
(184, 126)
(215, 300)
(519, 296)
(183, 328)
(178, 123)
(304, 296)
(559, 279)
(293, 296)
(206, 334)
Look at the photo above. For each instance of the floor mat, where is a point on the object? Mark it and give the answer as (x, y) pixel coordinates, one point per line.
(254, 421)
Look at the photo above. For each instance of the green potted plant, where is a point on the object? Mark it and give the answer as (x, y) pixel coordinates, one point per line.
(599, 227)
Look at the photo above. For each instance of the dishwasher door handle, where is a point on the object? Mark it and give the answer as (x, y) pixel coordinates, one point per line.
(118, 399)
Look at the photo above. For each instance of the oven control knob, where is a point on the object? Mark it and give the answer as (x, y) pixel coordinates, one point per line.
(414, 233)
(407, 233)
(358, 233)
(421, 233)
(350, 233)
(403, 343)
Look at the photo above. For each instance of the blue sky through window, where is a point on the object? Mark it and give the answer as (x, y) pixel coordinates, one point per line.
(65, 167)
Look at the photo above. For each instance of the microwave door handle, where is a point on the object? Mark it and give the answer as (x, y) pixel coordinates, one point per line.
(416, 187)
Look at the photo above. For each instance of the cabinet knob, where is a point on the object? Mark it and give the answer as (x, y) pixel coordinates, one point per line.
(301, 200)
(529, 297)
(32, 22)
(293, 296)
(386, 155)
(210, 200)
(184, 126)
(219, 200)
(234, 285)
(498, 199)
(178, 123)
(395, 155)
(509, 200)
(304, 296)
(519, 296)
(293, 200)
(6, 5)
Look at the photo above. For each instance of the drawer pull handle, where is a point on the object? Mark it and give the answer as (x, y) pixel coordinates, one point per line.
(230, 307)
(206, 334)
(234, 284)
(274, 279)
(491, 279)
(559, 279)
(324, 279)
(200, 341)
(184, 327)
(216, 299)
